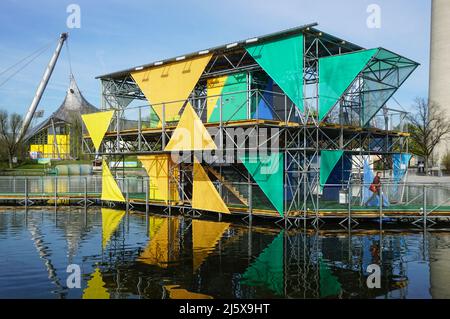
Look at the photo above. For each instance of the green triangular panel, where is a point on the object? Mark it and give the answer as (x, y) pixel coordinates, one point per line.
(283, 61)
(329, 284)
(267, 270)
(328, 160)
(267, 171)
(336, 73)
(234, 99)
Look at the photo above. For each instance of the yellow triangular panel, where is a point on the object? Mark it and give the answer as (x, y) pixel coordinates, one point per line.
(162, 247)
(110, 220)
(96, 287)
(205, 195)
(161, 170)
(205, 235)
(110, 189)
(170, 83)
(175, 292)
(97, 124)
(190, 134)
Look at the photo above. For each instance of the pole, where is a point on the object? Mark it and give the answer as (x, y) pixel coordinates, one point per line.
(56, 189)
(147, 188)
(85, 192)
(250, 203)
(424, 206)
(26, 192)
(127, 190)
(380, 195)
(40, 90)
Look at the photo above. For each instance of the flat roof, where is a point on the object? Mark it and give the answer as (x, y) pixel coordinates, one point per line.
(233, 45)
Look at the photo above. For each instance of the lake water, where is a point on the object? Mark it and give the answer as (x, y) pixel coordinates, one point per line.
(129, 255)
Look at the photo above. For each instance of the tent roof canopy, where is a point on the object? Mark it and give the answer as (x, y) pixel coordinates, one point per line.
(74, 103)
(239, 45)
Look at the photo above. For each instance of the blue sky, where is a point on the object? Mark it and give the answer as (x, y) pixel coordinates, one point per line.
(119, 34)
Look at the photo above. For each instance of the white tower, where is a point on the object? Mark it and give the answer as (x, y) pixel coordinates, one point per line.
(439, 86)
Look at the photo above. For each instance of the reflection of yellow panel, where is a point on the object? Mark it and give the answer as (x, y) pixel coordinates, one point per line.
(205, 235)
(163, 246)
(96, 287)
(171, 82)
(175, 292)
(161, 170)
(110, 221)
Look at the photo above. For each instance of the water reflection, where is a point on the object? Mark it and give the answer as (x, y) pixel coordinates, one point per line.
(126, 255)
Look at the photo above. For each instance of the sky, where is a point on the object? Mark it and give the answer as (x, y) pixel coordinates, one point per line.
(118, 34)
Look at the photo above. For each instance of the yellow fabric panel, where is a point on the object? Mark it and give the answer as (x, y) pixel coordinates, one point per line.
(97, 124)
(96, 287)
(205, 235)
(110, 189)
(37, 148)
(158, 169)
(175, 292)
(110, 221)
(60, 139)
(215, 87)
(190, 134)
(204, 194)
(163, 246)
(169, 83)
(49, 150)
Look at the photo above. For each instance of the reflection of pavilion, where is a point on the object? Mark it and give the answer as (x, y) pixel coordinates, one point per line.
(186, 258)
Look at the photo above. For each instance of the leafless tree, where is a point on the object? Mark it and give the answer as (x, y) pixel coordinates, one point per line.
(428, 126)
(10, 126)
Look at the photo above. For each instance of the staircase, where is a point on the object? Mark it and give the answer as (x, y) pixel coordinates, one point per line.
(228, 185)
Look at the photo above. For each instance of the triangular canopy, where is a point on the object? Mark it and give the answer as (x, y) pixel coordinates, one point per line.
(205, 195)
(336, 73)
(328, 159)
(267, 171)
(170, 84)
(97, 124)
(190, 134)
(110, 189)
(282, 59)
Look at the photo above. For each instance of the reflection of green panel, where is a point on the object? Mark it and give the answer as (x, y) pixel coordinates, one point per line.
(328, 160)
(267, 171)
(283, 60)
(267, 270)
(329, 284)
(234, 99)
(336, 73)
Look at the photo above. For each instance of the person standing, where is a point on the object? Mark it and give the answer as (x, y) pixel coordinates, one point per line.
(375, 188)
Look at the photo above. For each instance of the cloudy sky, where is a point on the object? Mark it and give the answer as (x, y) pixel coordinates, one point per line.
(119, 34)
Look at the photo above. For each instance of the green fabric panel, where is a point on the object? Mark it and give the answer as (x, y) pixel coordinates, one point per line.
(336, 73)
(234, 105)
(283, 62)
(267, 270)
(267, 171)
(328, 160)
(329, 284)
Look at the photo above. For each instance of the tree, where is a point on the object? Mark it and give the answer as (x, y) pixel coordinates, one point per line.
(428, 126)
(10, 126)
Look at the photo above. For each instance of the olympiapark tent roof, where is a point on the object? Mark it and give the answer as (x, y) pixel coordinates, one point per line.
(74, 102)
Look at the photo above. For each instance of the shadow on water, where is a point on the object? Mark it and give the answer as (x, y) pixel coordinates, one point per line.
(129, 255)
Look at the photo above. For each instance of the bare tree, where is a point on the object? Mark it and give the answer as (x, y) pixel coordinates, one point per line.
(10, 126)
(428, 126)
